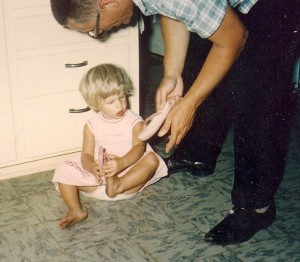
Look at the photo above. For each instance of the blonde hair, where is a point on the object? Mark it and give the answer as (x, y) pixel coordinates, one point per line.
(103, 81)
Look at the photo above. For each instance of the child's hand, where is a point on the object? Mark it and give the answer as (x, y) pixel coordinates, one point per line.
(95, 168)
(113, 166)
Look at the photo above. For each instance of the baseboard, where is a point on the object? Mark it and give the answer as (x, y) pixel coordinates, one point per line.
(29, 168)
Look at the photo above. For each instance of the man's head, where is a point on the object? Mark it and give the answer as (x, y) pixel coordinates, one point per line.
(81, 15)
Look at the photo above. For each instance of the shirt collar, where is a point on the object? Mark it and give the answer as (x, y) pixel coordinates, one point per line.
(140, 5)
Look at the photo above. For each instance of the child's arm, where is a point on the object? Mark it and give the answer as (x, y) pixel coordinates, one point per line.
(87, 154)
(117, 164)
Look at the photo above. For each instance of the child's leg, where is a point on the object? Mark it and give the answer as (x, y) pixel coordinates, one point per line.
(135, 178)
(76, 214)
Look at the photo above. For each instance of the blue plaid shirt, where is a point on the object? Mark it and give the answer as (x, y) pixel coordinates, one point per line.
(200, 16)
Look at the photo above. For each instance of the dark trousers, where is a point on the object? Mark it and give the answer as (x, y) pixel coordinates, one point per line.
(255, 98)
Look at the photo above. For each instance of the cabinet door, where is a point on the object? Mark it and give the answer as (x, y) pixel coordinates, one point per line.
(49, 128)
(7, 138)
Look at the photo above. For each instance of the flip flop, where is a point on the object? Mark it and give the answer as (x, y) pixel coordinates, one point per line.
(154, 122)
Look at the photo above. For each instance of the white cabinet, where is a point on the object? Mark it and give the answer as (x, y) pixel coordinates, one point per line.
(7, 138)
(38, 89)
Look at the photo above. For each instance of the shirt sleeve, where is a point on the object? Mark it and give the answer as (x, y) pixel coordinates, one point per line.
(206, 17)
(134, 118)
(200, 16)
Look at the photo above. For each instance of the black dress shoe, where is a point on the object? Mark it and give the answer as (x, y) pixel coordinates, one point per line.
(196, 168)
(240, 225)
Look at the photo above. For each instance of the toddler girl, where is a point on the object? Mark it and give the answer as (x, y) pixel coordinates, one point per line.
(128, 164)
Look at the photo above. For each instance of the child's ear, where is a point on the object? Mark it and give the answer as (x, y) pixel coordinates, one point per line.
(108, 3)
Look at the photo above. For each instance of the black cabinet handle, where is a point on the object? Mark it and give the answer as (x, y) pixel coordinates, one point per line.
(81, 110)
(84, 63)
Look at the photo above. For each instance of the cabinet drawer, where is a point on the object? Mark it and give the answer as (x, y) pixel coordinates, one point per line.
(50, 129)
(46, 32)
(47, 74)
(16, 4)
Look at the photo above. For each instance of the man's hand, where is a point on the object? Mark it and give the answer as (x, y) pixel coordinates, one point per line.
(179, 121)
(169, 88)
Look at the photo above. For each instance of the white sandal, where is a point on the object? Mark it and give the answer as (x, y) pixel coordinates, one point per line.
(154, 122)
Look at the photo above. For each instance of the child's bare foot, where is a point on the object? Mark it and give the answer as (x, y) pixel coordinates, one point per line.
(72, 218)
(113, 186)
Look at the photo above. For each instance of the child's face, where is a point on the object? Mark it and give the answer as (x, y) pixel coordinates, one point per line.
(114, 106)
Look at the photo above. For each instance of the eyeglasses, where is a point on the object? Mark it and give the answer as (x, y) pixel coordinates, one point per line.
(95, 34)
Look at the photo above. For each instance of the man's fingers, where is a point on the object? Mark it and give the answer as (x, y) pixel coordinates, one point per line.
(171, 143)
(160, 101)
(175, 139)
(164, 129)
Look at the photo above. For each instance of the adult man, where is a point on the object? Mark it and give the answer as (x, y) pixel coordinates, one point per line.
(254, 187)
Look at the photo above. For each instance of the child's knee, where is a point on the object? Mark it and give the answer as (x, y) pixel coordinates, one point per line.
(152, 159)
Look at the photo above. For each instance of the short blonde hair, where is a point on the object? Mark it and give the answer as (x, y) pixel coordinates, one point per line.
(103, 81)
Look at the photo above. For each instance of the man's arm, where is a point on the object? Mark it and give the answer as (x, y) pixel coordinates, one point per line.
(228, 42)
(176, 40)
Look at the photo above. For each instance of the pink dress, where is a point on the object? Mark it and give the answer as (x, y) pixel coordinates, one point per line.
(116, 137)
